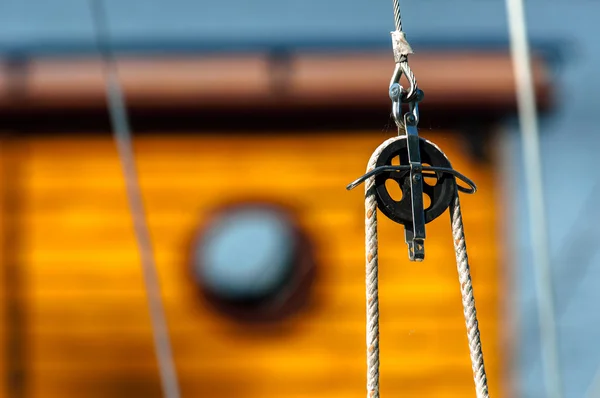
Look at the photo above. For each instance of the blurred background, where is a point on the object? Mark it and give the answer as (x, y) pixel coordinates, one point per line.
(249, 119)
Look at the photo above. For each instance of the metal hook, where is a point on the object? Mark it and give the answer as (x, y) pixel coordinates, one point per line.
(396, 95)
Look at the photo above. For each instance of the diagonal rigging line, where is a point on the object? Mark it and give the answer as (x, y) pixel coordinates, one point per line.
(574, 260)
(577, 253)
(122, 135)
(520, 55)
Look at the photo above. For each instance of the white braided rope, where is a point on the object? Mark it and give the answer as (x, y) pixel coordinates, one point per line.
(372, 290)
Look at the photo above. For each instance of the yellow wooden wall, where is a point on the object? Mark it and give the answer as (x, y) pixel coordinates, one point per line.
(86, 331)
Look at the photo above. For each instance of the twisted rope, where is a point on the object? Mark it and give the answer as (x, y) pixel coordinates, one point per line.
(372, 286)
(468, 300)
(372, 280)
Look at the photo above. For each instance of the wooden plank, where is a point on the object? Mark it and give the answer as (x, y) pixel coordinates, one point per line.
(13, 311)
(88, 332)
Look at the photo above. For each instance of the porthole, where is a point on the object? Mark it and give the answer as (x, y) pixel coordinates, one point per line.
(253, 262)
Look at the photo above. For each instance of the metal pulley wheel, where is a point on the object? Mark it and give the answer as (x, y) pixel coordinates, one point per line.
(438, 186)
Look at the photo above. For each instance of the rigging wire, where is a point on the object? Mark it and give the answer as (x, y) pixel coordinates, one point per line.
(122, 135)
(535, 195)
(397, 16)
(401, 49)
(594, 389)
(579, 261)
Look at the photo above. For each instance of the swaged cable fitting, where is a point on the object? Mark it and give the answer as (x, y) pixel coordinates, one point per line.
(410, 175)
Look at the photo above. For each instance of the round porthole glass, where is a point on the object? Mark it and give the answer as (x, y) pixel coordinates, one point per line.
(253, 262)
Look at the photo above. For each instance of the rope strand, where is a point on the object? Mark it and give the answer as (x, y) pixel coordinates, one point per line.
(372, 286)
(372, 277)
(468, 300)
